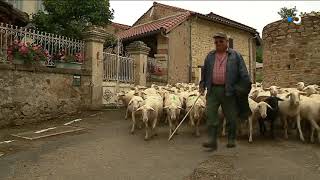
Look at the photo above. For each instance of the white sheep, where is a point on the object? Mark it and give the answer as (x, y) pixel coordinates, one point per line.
(125, 97)
(290, 107)
(300, 86)
(134, 104)
(259, 110)
(274, 90)
(315, 97)
(311, 89)
(172, 107)
(151, 111)
(196, 114)
(310, 110)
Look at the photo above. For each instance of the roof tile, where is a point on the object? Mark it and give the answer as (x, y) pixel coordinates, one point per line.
(166, 23)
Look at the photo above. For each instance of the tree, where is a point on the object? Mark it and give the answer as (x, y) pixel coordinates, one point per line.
(259, 54)
(287, 12)
(70, 17)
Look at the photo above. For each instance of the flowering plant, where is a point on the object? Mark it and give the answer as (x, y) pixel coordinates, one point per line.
(62, 56)
(26, 51)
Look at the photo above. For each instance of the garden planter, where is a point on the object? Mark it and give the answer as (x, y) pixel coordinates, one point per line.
(17, 61)
(68, 65)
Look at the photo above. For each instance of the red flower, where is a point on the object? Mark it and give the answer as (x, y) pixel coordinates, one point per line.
(21, 44)
(24, 50)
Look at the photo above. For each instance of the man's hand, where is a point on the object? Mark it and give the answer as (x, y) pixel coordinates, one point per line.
(201, 91)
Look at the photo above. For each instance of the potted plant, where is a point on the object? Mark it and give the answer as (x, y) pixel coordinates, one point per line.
(27, 53)
(62, 60)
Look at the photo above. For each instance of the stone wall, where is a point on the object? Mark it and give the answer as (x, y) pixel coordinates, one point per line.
(291, 53)
(179, 54)
(202, 42)
(31, 94)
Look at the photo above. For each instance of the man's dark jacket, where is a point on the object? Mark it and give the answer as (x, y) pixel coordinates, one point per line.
(237, 80)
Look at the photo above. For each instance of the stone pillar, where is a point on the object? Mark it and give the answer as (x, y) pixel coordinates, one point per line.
(139, 51)
(94, 38)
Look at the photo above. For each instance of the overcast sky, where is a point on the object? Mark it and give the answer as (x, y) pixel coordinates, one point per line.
(256, 14)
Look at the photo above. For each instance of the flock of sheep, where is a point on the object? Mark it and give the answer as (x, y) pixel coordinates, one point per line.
(149, 106)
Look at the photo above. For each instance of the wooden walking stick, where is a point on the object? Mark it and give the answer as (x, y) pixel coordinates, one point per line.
(184, 118)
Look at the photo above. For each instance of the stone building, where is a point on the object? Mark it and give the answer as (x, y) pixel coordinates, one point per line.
(28, 6)
(11, 15)
(291, 52)
(181, 39)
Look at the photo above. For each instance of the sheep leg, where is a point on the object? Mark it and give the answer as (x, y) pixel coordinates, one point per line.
(191, 119)
(250, 129)
(146, 137)
(272, 129)
(261, 126)
(154, 125)
(315, 126)
(285, 126)
(133, 122)
(224, 127)
(197, 128)
(312, 134)
(175, 126)
(126, 116)
(170, 126)
(299, 128)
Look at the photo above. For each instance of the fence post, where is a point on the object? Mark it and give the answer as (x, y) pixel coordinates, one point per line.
(139, 51)
(94, 38)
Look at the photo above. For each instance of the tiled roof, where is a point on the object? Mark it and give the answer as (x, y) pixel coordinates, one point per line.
(120, 26)
(166, 24)
(229, 21)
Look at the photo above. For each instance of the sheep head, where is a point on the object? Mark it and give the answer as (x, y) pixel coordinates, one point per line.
(145, 109)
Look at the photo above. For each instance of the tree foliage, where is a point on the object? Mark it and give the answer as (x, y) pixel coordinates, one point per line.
(288, 12)
(259, 55)
(70, 17)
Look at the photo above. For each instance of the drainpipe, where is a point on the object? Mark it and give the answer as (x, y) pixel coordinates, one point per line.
(190, 53)
(250, 54)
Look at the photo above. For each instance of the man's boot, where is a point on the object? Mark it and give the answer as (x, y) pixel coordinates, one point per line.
(212, 143)
(231, 140)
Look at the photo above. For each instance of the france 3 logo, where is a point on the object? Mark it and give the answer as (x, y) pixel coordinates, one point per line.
(296, 20)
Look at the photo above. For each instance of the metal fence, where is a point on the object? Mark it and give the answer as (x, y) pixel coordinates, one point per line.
(112, 72)
(55, 45)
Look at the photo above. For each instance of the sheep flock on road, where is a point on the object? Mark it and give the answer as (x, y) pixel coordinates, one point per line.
(290, 107)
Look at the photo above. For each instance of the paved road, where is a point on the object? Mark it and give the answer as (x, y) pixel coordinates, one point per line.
(106, 150)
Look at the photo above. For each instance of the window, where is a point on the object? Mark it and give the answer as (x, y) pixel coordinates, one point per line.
(230, 43)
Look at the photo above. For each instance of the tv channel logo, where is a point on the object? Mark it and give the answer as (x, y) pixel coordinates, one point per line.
(296, 20)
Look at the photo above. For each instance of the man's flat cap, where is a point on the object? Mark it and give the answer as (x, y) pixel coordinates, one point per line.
(221, 35)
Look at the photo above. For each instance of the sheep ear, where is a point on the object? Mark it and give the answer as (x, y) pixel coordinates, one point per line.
(302, 93)
(130, 103)
(269, 106)
(305, 88)
(166, 107)
(266, 89)
(150, 108)
(288, 95)
(279, 99)
(202, 105)
(179, 107)
(139, 109)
